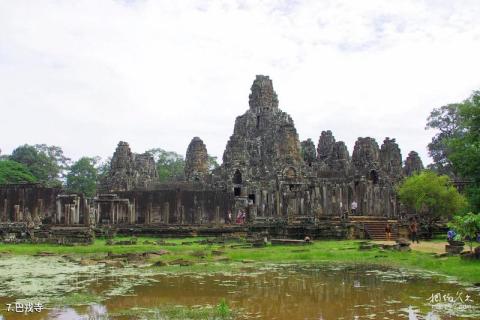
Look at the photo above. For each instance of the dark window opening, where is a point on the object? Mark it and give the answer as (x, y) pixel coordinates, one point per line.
(356, 183)
(291, 187)
(374, 176)
(251, 197)
(237, 191)
(258, 122)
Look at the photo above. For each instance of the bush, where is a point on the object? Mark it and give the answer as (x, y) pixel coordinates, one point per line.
(14, 172)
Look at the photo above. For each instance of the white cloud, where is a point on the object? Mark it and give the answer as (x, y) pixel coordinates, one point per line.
(86, 74)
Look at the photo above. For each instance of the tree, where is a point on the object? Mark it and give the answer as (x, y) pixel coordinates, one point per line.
(212, 163)
(464, 149)
(467, 226)
(170, 165)
(446, 120)
(103, 169)
(45, 163)
(431, 195)
(55, 153)
(14, 172)
(82, 177)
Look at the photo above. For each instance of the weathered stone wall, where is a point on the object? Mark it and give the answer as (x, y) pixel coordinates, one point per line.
(22, 202)
(181, 205)
(36, 204)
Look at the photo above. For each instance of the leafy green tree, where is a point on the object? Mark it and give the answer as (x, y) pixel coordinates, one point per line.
(55, 153)
(464, 149)
(212, 163)
(45, 163)
(431, 195)
(170, 165)
(82, 177)
(446, 120)
(14, 172)
(467, 226)
(103, 169)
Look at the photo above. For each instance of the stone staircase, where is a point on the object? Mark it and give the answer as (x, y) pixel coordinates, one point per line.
(375, 227)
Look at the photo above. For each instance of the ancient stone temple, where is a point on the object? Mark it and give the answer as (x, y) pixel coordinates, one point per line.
(266, 172)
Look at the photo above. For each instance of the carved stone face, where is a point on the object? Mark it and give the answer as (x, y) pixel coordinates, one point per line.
(263, 97)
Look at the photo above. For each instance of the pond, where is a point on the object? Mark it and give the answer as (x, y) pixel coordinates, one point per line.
(69, 290)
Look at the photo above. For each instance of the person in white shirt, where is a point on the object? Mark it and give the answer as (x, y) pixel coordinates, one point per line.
(354, 207)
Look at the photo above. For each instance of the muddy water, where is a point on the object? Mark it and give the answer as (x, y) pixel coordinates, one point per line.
(286, 292)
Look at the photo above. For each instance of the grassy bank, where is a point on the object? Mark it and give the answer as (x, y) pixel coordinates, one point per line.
(214, 257)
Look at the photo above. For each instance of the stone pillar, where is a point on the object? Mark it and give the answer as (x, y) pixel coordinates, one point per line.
(131, 214)
(324, 198)
(134, 211)
(112, 205)
(16, 213)
(166, 212)
(277, 204)
(182, 214)
(59, 211)
(5, 210)
(98, 214)
(66, 214)
(217, 215)
(86, 213)
(73, 214)
(198, 215)
(148, 216)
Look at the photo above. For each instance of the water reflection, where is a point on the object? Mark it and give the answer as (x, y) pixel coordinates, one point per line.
(281, 292)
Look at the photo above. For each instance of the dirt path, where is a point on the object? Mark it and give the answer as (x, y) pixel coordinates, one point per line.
(423, 246)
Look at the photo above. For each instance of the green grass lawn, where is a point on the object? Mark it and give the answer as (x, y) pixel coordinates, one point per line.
(320, 252)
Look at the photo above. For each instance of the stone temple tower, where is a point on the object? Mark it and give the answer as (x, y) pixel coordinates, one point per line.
(196, 160)
(264, 143)
(262, 97)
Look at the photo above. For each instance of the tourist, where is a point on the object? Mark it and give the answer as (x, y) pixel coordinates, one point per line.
(354, 207)
(243, 217)
(229, 216)
(388, 231)
(451, 234)
(413, 230)
(239, 217)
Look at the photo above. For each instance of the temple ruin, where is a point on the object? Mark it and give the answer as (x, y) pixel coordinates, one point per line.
(266, 172)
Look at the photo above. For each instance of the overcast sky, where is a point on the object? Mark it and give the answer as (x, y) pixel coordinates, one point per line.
(84, 75)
